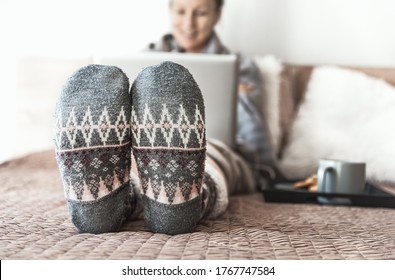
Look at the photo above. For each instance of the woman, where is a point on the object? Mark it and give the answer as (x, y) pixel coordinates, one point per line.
(193, 23)
(176, 178)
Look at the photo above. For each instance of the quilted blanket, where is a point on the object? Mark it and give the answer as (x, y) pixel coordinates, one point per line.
(34, 224)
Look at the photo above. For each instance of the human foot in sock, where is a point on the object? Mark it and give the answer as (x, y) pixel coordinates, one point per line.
(169, 145)
(93, 145)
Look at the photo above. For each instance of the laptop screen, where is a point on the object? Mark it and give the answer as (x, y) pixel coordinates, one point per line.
(216, 76)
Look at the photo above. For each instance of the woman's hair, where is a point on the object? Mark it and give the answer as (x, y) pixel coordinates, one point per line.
(219, 4)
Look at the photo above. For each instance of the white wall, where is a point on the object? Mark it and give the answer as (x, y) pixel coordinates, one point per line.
(358, 32)
(352, 32)
(69, 27)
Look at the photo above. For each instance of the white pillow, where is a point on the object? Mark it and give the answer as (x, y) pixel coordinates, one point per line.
(270, 68)
(346, 115)
(39, 81)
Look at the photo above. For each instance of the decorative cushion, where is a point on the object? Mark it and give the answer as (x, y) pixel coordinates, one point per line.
(271, 68)
(345, 115)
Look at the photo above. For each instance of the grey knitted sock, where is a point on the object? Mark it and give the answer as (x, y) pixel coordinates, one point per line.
(93, 145)
(169, 145)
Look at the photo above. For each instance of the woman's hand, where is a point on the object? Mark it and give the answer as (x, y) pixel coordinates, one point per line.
(245, 88)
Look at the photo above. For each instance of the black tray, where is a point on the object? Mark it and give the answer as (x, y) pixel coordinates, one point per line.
(373, 196)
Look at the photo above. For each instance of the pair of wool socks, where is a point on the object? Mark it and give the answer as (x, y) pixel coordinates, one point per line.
(161, 121)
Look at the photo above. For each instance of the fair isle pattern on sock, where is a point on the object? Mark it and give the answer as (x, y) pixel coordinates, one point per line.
(182, 163)
(167, 127)
(175, 175)
(91, 152)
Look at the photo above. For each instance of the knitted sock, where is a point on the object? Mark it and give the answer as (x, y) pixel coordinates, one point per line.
(169, 144)
(93, 147)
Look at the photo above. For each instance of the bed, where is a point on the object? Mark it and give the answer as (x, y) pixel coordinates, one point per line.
(34, 224)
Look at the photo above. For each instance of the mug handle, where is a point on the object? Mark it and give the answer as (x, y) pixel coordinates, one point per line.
(322, 172)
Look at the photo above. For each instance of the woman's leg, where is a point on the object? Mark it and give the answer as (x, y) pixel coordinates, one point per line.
(226, 173)
(237, 170)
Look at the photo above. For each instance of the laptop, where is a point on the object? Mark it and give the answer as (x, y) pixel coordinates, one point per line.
(216, 76)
